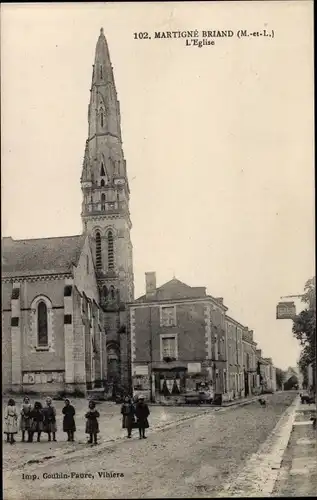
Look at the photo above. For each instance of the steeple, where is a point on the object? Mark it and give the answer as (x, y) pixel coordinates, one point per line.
(104, 109)
(104, 183)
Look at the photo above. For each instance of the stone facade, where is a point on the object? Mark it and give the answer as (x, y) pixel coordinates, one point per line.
(76, 287)
(249, 363)
(177, 340)
(105, 211)
(235, 373)
(43, 322)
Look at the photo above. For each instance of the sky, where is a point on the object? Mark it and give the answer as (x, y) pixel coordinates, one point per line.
(219, 143)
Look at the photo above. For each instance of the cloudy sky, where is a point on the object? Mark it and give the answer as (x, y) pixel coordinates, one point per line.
(218, 142)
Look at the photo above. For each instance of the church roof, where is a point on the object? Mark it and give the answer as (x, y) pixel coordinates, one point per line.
(40, 256)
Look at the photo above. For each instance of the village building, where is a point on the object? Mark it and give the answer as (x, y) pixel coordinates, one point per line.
(234, 368)
(64, 315)
(177, 341)
(249, 363)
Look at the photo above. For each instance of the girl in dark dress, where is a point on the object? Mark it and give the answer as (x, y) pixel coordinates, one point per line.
(127, 412)
(92, 426)
(142, 412)
(26, 421)
(69, 425)
(49, 424)
(37, 421)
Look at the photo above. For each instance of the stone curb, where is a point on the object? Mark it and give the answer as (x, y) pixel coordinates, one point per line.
(62, 455)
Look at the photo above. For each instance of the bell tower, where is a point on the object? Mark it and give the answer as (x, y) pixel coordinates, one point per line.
(105, 207)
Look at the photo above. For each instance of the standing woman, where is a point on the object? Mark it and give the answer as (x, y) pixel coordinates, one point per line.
(26, 420)
(50, 419)
(142, 412)
(37, 420)
(69, 425)
(10, 421)
(127, 412)
(92, 426)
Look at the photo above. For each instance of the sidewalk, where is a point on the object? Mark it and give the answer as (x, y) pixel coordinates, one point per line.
(298, 473)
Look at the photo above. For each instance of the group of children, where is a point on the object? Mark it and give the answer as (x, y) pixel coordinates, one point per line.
(36, 419)
(135, 416)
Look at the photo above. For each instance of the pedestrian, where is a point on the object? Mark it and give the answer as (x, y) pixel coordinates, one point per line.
(10, 421)
(49, 423)
(37, 421)
(127, 412)
(69, 425)
(142, 412)
(26, 420)
(92, 426)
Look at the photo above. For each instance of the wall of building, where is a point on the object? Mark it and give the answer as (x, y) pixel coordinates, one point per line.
(190, 331)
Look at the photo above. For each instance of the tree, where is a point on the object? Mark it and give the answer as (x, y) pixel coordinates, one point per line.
(280, 376)
(304, 327)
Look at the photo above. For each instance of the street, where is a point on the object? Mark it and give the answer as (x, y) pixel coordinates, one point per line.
(196, 458)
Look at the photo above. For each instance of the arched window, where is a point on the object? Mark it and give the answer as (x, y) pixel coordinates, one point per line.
(42, 324)
(105, 291)
(112, 292)
(103, 201)
(102, 183)
(110, 251)
(101, 72)
(101, 119)
(98, 251)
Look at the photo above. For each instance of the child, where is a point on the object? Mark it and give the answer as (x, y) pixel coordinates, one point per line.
(37, 420)
(127, 412)
(142, 412)
(49, 423)
(69, 425)
(10, 421)
(26, 421)
(92, 427)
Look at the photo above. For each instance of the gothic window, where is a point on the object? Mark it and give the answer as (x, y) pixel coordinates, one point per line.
(98, 251)
(42, 324)
(102, 170)
(87, 264)
(112, 292)
(101, 73)
(102, 183)
(101, 119)
(105, 291)
(110, 251)
(103, 201)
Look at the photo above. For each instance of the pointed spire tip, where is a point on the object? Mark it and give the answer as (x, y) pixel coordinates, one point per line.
(101, 31)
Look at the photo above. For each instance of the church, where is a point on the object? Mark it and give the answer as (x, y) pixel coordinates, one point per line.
(64, 299)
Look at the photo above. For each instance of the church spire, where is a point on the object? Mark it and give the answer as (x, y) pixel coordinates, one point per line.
(104, 109)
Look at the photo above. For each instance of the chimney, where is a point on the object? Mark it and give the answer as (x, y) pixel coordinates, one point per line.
(150, 285)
